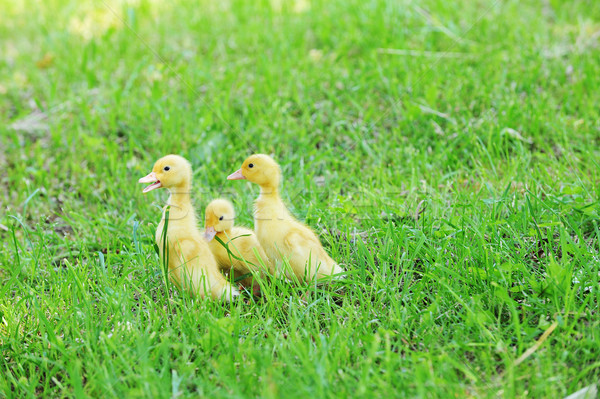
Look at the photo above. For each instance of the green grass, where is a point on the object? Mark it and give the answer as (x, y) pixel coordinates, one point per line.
(461, 193)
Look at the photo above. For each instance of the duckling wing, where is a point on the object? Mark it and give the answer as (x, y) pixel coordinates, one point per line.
(247, 243)
(197, 268)
(187, 249)
(306, 254)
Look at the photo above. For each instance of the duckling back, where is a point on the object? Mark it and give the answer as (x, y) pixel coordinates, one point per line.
(295, 243)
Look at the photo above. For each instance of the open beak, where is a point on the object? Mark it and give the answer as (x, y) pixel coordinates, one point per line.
(210, 233)
(237, 175)
(150, 178)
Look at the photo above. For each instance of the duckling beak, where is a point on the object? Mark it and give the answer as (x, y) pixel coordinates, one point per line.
(237, 175)
(210, 233)
(150, 178)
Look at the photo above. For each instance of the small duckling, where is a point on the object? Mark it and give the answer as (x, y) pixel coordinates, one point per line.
(280, 234)
(219, 220)
(192, 265)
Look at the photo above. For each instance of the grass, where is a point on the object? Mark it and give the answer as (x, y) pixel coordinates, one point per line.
(455, 177)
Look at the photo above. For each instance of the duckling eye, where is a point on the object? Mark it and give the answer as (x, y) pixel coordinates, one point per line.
(221, 218)
(167, 168)
(251, 165)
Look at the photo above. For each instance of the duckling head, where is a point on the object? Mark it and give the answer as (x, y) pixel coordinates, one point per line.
(171, 171)
(219, 216)
(260, 169)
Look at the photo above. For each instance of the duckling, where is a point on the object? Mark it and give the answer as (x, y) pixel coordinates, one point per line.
(219, 221)
(191, 264)
(280, 234)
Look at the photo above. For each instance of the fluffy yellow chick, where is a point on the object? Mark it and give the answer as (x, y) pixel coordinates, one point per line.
(242, 242)
(279, 233)
(192, 265)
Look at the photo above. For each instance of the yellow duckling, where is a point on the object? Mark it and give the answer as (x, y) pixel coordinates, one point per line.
(279, 233)
(242, 242)
(192, 265)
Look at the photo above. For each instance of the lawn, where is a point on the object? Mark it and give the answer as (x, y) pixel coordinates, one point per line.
(446, 153)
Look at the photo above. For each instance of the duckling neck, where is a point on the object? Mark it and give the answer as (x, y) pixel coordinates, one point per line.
(269, 206)
(269, 191)
(180, 203)
(180, 198)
